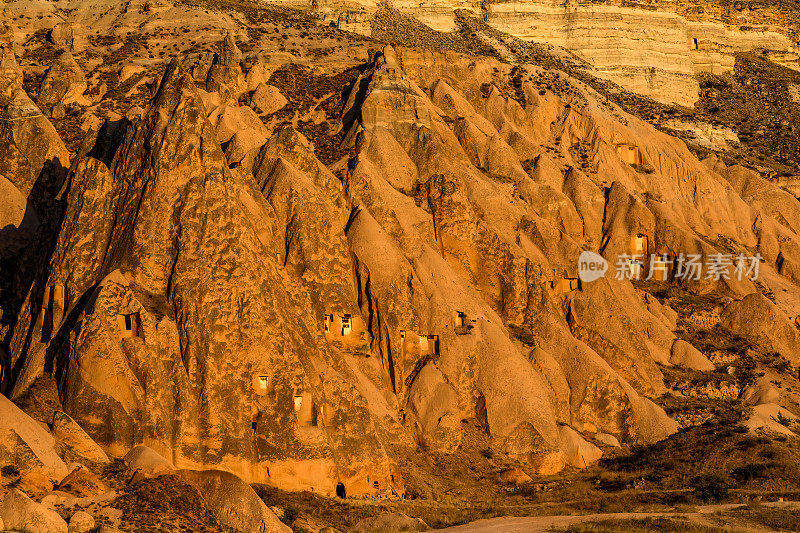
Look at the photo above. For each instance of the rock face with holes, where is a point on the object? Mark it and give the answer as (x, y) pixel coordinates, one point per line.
(192, 336)
(217, 299)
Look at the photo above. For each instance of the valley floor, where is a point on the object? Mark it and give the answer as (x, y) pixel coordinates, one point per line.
(705, 518)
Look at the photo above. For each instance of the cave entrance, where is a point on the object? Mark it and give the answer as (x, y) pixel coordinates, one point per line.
(340, 491)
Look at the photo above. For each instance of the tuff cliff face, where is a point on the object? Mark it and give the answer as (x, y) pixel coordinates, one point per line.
(654, 49)
(327, 271)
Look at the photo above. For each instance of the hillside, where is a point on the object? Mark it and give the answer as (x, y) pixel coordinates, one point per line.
(261, 273)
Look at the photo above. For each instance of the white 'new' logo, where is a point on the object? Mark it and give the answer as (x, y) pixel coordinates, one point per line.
(591, 266)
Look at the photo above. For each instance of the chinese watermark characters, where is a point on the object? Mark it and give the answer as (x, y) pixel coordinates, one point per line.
(694, 267)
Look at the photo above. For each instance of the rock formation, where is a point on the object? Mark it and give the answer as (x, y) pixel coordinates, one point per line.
(261, 266)
(63, 84)
(661, 64)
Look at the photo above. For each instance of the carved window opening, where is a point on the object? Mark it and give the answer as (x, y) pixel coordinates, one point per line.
(630, 154)
(130, 325)
(53, 305)
(306, 410)
(347, 325)
(428, 345)
(564, 285)
(639, 244)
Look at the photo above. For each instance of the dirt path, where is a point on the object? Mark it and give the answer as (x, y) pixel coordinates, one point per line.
(536, 524)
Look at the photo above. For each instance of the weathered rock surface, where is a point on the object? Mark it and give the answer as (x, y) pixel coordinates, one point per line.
(578, 451)
(67, 432)
(20, 513)
(685, 355)
(267, 99)
(11, 75)
(225, 75)
(234, 503)
(26, 444)
(64, 83)
(68, 36)
(272, 371)
(767, 418)
(389, 523)
(514, 476)
(218, 298)
(147, 462)
(608, 36)
(82, 482)
(33, 155)
(761, 392)
(81, 522)
(757, 319)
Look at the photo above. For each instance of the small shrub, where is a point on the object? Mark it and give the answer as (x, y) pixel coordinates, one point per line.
(747, 472)
(782, 419)
(710, 487)
(290, 514)
(9, 471)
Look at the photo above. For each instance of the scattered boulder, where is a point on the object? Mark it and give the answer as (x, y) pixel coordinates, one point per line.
(26, 444)
(607, 439)
(70, 434)
(20, 513)
(234, 503)
(82, 482)
(35, 482)
(771, 418)
(687, 356)
(81, 522)
(389, 523)
(147, 462)
(267, 99)
(513, 476)
(578, 452)
(760, 392)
